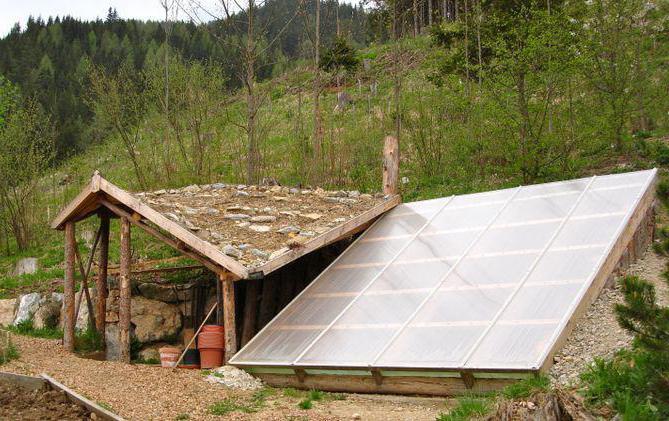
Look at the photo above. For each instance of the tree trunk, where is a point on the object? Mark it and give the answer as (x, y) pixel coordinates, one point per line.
(124, 292)
(101, 280)
(68, 296)
(318, 124)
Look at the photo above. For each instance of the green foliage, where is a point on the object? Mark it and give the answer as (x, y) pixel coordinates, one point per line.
(305, 404)
(256, 403)
(26, 328)
(289, 392)
(315, 395)
(468, 407)
(88, 341)
(643, 317)
(340, 56)
(8, 350)
(526, 388)
(182, 417)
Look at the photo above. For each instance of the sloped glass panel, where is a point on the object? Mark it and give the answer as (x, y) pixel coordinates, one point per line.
(348, 347)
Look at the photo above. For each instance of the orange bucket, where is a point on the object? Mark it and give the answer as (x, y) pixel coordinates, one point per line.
(169, 356)
(211, 344)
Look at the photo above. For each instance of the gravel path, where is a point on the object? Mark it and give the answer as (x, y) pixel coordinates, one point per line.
(140, 392)
(598, 333)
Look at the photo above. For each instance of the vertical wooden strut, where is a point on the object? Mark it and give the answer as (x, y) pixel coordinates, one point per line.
(124, 292)
(250, 310)
(101, 281)
(219, 301)
(68, 296)
(229, 316)
(391, 165)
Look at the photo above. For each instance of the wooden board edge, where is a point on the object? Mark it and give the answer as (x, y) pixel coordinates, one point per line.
(29, 383)
(404, 385)
(77, 398)
(199, 245)
(333, 235)
(71, 208)
(606, 270)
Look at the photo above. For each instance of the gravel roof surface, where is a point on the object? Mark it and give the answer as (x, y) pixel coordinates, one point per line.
(598, 333)
(142, 392)
(255, 224)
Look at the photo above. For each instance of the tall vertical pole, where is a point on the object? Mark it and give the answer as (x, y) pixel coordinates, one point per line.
(124, 292)
(101, 281)
(219, 301)
(68, 298)
(229, 316)
(391, 165)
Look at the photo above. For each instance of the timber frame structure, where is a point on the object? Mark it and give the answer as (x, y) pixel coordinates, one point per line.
(102, 198)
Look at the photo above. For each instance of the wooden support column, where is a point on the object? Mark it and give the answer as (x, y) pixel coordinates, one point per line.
(250, 310)
(124, 292)
(68, 296)
(219, 301)
(101, 281)
(391, 165)
(229, 316)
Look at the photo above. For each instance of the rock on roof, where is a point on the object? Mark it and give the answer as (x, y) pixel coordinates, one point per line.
(255, 224)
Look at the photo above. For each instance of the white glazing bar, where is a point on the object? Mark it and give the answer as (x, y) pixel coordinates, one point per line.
(478, 342)
(443, 279)
(597, 267)
(369, 284)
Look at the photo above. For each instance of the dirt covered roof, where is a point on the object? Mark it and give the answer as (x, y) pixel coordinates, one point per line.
(256, 224)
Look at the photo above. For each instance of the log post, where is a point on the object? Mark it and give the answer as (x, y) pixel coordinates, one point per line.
(229, 316)
(68, 296)
(219, 300)
(391, 165)
(124, 292)
(250, 310)
(101, 281)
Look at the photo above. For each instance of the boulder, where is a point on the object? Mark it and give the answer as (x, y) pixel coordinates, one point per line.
(48, 313)
(28, 305)
(112, 343)
(154, 320)
(166, 293)
(26, 266)
(7, 311)
(150, 353)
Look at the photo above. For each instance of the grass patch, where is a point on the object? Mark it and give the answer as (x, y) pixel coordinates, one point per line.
(148, 361)
(316, 395)
(8, 352)
(88, 340)
(305, 404)
(468, 407)
(27, 328)
(229, 405)
(182, 417)
(526, 388)
(290, 392)
(336, 396)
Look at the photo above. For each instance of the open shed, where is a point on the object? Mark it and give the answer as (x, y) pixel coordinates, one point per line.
(246, 235)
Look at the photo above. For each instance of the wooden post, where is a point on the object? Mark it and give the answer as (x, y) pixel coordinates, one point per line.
(124, 292)
(101, 281)
(219, 301)
(229, 316)
(391, 165)
(250, 310)
(68, 296)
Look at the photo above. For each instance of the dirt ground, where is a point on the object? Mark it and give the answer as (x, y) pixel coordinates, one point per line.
(18, 404)
(140, 392)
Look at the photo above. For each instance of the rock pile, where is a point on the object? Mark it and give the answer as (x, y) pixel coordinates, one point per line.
(234, 378)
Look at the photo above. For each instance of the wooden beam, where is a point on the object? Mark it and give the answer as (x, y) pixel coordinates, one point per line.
(124, 292)
(68, 296)
(101, 280)
(250, 310)
(391, 165)
(219, 301)
(229, 316)
(211, 252)
(175, 244)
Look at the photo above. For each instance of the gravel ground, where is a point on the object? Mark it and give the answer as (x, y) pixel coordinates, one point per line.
(141, 392)
(598, 333)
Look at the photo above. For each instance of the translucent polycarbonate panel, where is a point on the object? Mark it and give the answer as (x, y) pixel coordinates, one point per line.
(479, 281)
(277, 346)
(433, 346)
(347, 346)
(465, 305)
(511, 346)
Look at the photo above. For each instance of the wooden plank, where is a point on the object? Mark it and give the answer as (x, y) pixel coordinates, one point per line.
(331, 236)
(219, 300)
(124, 292)
(391, 165)
(636, 220)
(76, 204)
(161, 237)
(68, 296)
(80, 400)
(229, 316)
(101, 279)
(206, 249)
(250, 310)
(114, 271)
(435, 386)
(28, 383)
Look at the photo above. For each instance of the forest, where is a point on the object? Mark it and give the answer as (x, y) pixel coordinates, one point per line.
(481, 94)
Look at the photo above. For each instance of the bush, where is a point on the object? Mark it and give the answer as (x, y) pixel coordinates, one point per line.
(88, 340)
(467, 408)
(27, 328)
(8, 351)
